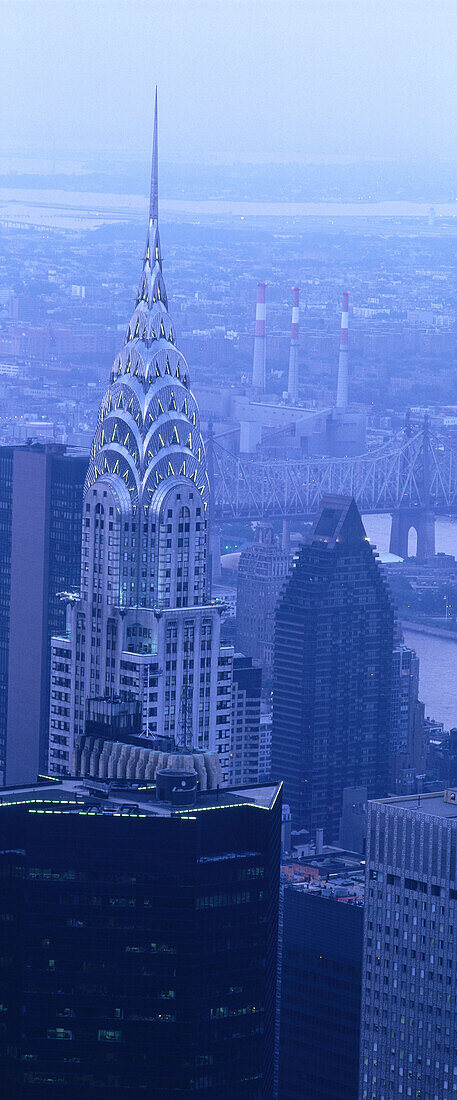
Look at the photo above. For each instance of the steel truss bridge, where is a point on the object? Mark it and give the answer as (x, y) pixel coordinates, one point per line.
(415, 470)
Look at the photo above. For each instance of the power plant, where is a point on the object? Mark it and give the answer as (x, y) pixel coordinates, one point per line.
(259, 377)
(292, 386)
(342, 391)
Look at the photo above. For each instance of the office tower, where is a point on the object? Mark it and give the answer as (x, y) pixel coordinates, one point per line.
(40, 520)
(246, 693)
(353, 822)
(406, 731)
(259, 364)
(292, 385)
(143, 626)
(409, 1017)
(265, 745)
(320, 993)
(332, 671)
(139, 940)
(262, 570)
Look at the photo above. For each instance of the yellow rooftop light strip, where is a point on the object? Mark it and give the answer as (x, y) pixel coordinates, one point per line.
(222, 806)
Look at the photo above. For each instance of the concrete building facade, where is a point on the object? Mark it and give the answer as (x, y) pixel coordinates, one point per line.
(409, 1003)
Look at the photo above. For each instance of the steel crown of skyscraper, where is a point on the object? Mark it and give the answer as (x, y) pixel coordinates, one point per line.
(148, 427)
(142, 629)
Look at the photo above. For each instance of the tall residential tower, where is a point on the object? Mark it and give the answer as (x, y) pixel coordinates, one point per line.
(143, 627)
(332, 670)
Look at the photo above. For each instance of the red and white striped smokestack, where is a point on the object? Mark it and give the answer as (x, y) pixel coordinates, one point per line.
(292, 385)
(259, 371)
(342, 391)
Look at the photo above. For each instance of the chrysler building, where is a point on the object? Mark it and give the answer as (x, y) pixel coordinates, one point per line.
(143, 627)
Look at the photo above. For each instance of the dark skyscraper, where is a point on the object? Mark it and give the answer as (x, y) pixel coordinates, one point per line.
(332, 671)
(246, 693)
(139, 940)
(320, 995)
(40, 519)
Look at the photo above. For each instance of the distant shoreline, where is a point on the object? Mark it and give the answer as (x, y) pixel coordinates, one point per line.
(51, 204)
(429, 628)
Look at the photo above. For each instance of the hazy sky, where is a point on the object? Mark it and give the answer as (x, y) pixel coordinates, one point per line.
(248, 80)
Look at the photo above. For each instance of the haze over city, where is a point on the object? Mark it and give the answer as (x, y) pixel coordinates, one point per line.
(277, 81)
(228, 549)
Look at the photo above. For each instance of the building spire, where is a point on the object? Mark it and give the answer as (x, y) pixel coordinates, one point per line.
(148, 429)
(154, 194)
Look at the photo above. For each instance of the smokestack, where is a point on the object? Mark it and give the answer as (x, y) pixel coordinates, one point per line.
(259, 375)
(292, 385)
(342, 391)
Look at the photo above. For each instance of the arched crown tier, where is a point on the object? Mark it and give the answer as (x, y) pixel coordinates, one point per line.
(148, 427)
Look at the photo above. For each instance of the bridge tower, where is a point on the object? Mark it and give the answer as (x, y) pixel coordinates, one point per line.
(420, 518)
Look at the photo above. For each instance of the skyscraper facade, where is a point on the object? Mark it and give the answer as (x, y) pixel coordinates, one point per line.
(409, 1005)
(320, 993)
(262, 571)
(406, 716)
(41, 488)
(143, 626)
(332, 671)
(139, 941)
(246, 694)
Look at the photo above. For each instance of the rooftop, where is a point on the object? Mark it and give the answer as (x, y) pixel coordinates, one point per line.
(126, 798)
(437, 804)
(344, 888)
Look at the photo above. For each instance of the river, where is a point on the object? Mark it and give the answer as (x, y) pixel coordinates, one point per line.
(52, 207)
(437, 656)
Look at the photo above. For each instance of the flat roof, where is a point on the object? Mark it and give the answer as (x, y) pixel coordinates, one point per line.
(127, 798)
(433, 804)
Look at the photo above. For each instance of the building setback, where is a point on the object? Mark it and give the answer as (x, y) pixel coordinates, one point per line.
(320, 995)
(139, 940)
(409, 1007)
(41, 489)
(332, 671)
